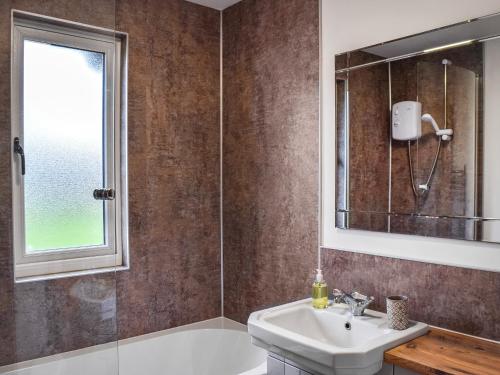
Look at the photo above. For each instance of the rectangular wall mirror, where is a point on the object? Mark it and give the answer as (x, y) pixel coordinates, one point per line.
(418, 134)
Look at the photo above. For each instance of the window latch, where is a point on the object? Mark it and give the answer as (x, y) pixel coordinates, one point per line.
(104, 194)
(18, 149)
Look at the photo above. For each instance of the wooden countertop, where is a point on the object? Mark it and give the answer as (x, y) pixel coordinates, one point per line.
(444, 352)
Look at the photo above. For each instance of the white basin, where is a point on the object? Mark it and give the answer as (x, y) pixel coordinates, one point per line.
(329, 341)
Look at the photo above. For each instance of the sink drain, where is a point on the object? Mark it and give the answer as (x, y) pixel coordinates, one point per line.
(347, 326)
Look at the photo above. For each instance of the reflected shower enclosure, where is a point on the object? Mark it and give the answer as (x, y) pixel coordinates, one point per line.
(427, 178)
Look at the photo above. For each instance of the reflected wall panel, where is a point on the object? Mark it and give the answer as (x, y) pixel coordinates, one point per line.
(369, 141)
(454, 185)
(379, 170)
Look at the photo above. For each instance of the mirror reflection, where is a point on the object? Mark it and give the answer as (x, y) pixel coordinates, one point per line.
(416, 134)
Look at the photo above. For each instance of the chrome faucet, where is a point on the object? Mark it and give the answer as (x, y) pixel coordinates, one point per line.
(357, 302)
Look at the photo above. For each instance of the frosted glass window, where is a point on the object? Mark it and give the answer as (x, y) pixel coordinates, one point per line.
(63, 113)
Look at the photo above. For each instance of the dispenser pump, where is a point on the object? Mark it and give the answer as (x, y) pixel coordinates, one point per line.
(319, 275)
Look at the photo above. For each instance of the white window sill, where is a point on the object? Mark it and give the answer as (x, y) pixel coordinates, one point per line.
(62, 275)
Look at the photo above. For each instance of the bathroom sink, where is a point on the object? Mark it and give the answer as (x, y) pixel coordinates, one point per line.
(329, 341)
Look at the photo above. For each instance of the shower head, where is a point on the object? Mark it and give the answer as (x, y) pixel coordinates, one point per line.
(445, 134)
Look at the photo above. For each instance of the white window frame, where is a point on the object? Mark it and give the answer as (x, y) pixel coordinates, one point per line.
(114, 253)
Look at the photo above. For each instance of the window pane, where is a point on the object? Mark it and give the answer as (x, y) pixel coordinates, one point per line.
(63, 142)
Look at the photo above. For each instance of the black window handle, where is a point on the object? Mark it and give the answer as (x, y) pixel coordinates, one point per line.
(104, 194)
(18, 149)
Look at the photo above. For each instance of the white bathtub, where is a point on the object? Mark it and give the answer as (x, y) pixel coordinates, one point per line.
(214, 347)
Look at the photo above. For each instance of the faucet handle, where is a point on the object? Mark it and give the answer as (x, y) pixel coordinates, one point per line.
(359, 296)
(338, 296)
(358, 302)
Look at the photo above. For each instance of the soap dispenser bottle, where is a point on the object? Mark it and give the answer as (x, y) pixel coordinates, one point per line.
(319, 291)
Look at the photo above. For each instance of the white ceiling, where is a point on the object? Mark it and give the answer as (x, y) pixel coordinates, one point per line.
(216, 4)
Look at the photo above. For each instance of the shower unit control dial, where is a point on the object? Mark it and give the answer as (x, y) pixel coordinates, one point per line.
(406, 121)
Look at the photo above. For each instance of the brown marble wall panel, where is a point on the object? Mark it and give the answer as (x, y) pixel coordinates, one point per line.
(174, 173)
(271, 101)
(173, 187)
(43, 318)
(459, 299)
